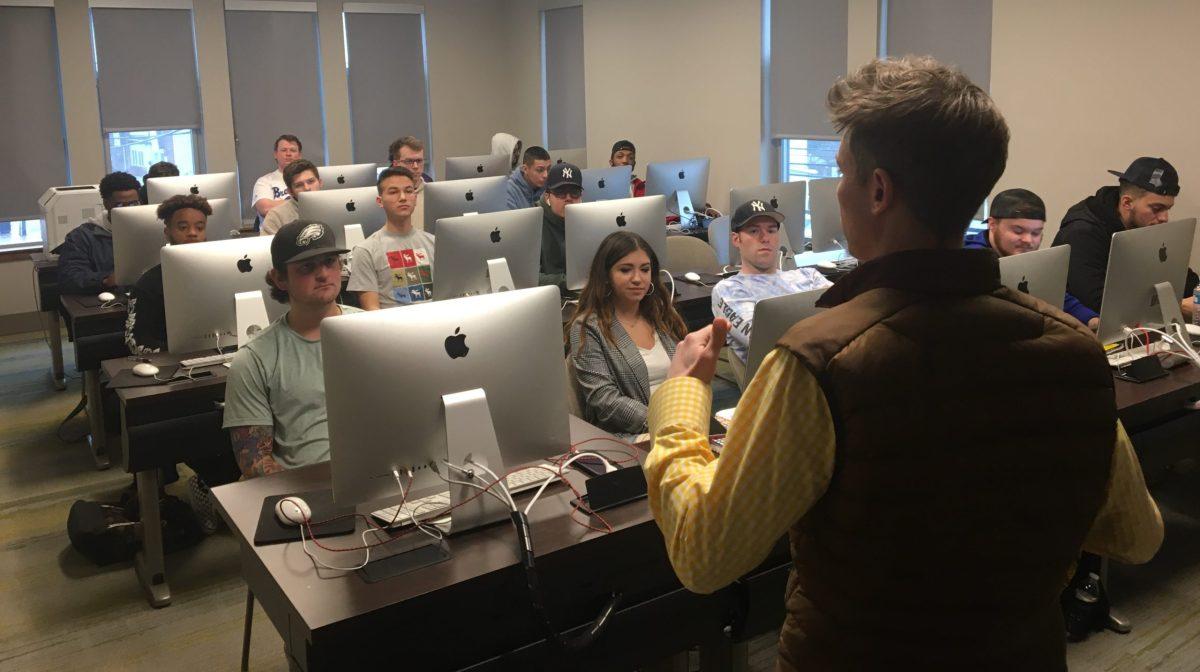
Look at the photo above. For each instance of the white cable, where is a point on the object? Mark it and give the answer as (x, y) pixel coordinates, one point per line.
(561, 467)
(469, 485)
(672, 279)
(503, 484)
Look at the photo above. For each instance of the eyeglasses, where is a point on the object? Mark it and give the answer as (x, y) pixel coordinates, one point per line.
(412, 162)
(569, 192)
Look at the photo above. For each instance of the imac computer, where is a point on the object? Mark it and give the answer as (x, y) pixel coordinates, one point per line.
(348, 176)
(575, 157)
(1041, 273)
(138, 235)
(469, 250)
(486, 165)
(827, 234)
(588, 224)
(338, 207)
(772, 319)
(606, 184)
(453, 198)
(199, 284)
(480, 363)
(683, 183)
(1140, 261)
(211, 185)
(788, 198)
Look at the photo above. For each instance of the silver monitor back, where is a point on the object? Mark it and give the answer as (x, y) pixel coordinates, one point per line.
(1138, 260)
(338, 207)
(606, 184)
(484, 165)
(668, 177)
(210, 185)
(199, 281)
(826, 215)
(138, 234)
(509, 344)
(348, 176)
(588, 224)
(464, 245)
(786, 197)
(576, 157)
(454, 197)
(1040, 273)
(772, 319)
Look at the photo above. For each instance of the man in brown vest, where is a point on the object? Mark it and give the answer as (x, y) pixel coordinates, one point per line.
(910, 437)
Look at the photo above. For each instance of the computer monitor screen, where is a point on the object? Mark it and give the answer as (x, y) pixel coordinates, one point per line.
(1138, 260)
(575, 157)
(606, 184)
(668, 177)
(348, 176)
(138, 234)
(772, 319)
(786, 197)
(826, 216)
(465, 244)
(486, 165)
(199, 282)
(210, 185)
(338, 207)
(588, 224)
(508, 344)
(1041, 273)
(457, 197)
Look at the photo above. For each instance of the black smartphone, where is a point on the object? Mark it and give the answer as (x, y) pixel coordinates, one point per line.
(590, 465)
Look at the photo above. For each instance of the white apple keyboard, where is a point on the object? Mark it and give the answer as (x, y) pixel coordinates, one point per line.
(207, 360)
(521, 480)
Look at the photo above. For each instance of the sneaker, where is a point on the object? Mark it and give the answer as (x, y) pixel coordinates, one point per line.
(203, 504)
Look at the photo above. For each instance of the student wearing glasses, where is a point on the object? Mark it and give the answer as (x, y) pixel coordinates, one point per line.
(564, 186)
(85, 261)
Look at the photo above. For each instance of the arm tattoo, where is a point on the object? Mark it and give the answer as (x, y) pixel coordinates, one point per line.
(253, 447)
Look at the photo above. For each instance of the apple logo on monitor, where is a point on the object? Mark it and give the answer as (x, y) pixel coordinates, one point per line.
(1023, 285)
(341, 179)
(495, 235)
(470, 195)
(456, 345)
(601, 183)
(350, 206)
(682, 175)
(775, 202)
(195, 190)
(621, 219)
(243, 264)
(479, 168)
(1162, 252)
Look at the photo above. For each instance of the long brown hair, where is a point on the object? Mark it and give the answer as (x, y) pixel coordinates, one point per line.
(596, 298)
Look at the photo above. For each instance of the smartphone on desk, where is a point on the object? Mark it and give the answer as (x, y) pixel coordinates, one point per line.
(590, 465)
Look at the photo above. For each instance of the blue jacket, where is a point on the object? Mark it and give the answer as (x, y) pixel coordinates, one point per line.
(521, 194)
(85, 258)
(1071, 305)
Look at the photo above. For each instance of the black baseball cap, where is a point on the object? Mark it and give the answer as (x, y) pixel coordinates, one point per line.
(751, 210)
(301, 240)
(1154, 175)
(622, 144)
(1018, 204)
(564, 175)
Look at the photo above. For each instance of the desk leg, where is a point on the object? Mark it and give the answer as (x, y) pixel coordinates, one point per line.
(97, 439)
(148, 562)
(722, 654)
(54, 338)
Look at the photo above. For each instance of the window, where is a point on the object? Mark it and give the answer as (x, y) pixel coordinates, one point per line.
(808, 159)
(21, 233)
(135, 151)
(564, 118)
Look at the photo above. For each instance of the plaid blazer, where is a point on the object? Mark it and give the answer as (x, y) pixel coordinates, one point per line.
(614, 384)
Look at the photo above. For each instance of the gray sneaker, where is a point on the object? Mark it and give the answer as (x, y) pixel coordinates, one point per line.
(203, 504)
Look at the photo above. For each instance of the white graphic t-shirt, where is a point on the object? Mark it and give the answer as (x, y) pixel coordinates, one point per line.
(398, 267)
(734, 298)
(270, 187)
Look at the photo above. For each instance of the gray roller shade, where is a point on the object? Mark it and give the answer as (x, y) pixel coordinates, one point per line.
(146, 69)
(387, 82)
(275, 83)
(808, 52)
(562, 65)
(957, 32)
(31, 107)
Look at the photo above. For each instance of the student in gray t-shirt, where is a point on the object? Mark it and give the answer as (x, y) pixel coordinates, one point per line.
(394, 266)
(275, 392)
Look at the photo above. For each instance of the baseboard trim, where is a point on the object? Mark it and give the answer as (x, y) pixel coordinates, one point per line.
(20, 323)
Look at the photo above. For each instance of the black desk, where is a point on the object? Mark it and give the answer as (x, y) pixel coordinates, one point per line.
(45, 267)
(98, 334)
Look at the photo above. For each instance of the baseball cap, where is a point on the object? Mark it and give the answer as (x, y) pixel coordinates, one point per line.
(752, 210)
(622, 144)
(1154, 175)
(301, 240)
(1018, 204)
(564, 175)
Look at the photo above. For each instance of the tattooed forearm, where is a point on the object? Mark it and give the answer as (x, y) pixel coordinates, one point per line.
(254, 448)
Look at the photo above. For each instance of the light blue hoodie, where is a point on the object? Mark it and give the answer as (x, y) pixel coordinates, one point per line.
(521, 194)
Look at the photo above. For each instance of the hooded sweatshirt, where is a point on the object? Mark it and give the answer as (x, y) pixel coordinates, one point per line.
(505, 144)
(85, 258)
(521, 194)
(1088, 228)
(554, 249)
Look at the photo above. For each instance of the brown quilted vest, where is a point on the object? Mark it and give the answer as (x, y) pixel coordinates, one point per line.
(975, 428)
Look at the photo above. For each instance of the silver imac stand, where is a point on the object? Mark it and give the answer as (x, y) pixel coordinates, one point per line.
(500, 277)
(470, 442)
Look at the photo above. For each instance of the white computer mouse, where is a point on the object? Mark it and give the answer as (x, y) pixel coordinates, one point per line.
(145, 370)
(692, 276)
(106, 296)
(292, 511)
(827, 265)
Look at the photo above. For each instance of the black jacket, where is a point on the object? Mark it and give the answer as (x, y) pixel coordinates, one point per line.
(1088, 227)
(85, 258)
(554, 249)
(146, 320)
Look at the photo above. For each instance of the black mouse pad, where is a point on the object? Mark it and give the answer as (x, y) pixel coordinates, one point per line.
(271, 531)
(127, 378)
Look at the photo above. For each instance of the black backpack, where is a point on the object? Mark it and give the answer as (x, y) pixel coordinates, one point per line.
(107, 533)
